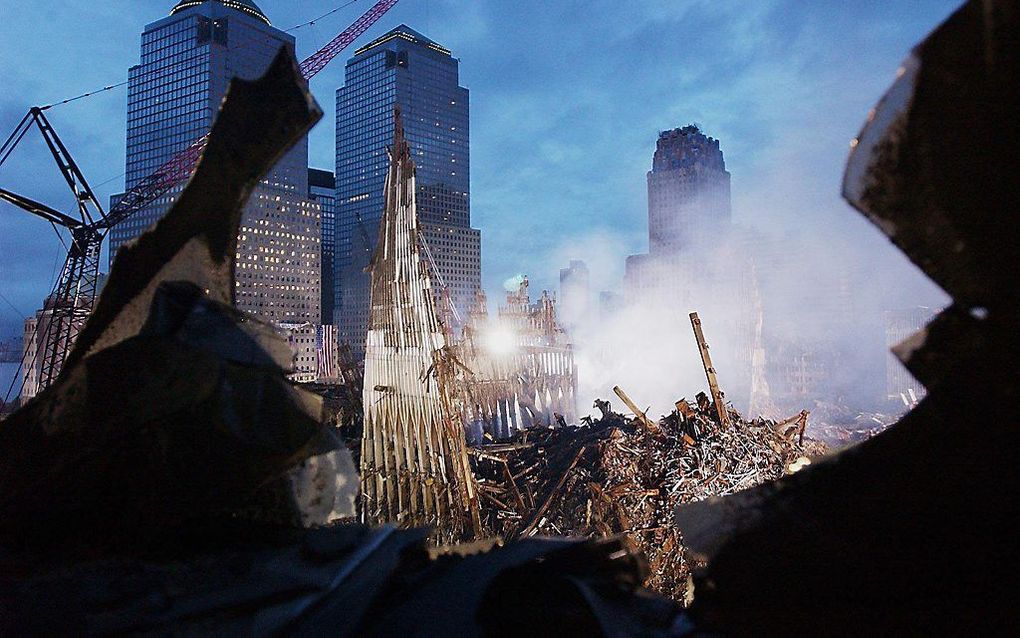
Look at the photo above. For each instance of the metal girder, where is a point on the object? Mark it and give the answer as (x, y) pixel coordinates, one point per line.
(38, 209)
(318, 61)
(89, 208)
(72, 301)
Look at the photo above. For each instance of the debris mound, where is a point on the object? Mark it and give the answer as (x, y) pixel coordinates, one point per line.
(627, 476)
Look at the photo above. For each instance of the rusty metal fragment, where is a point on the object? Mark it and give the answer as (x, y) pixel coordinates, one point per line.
(713, 381)
(636, 411)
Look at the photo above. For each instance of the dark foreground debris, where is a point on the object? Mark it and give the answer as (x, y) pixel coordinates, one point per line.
(237, 578)
(174, 406)
(914, 530)
(166, 482)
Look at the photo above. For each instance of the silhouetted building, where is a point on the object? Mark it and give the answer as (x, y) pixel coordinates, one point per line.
(688, 191)
(696, 259)
(689, 216)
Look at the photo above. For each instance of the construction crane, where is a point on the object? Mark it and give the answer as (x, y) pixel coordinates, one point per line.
(74, 293)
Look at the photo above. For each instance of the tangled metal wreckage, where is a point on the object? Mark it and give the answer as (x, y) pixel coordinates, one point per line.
(422, 389)
(172, 479)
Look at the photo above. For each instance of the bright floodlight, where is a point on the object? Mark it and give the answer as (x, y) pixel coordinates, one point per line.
(500, 341)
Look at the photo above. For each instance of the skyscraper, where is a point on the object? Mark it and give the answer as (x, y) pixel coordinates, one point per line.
(322, 190)
(688, 191)
(695, 259)
(187, 61)
(403, 68)
(689, 215)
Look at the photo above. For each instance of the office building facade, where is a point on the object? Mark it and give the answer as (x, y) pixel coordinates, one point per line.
(187, 61)
(322, 191)
(407, 70)
(688, 191)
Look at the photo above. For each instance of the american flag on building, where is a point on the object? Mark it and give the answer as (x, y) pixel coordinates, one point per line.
(326, 352)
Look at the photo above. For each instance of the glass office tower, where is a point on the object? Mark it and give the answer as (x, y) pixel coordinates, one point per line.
(407, 69)
(187, 62)
(322, 190)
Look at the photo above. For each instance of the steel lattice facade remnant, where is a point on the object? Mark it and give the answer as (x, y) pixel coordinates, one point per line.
(414, 465)
(517, 369)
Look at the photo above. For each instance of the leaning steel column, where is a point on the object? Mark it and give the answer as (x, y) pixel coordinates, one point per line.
(713, 382)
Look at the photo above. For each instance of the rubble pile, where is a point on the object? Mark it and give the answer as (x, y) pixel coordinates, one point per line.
(342, 401)
(618, 476)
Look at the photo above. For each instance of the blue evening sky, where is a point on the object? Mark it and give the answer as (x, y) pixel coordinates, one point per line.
(567, 98)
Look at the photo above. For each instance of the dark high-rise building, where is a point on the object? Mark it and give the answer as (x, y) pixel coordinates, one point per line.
(187, 61)
(322, 190)
(407, 70)
(695, 259)
(688, 191)
(689, 215)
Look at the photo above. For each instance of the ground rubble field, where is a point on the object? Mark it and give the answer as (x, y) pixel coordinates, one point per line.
(617, 476)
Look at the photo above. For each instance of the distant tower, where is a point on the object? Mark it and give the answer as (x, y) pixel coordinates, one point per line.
(322, 190)
(187, 61)
(403, 68)
(574, 293)
(688, 191)
(696, 260)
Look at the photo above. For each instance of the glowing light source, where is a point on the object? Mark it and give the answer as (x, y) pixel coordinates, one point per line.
(500, 341)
